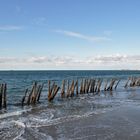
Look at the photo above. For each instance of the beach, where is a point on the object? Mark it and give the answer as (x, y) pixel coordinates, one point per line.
(104, 116)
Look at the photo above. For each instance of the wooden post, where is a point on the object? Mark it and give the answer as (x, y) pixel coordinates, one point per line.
(126, 85)
(110, 87)
(117, 84)
(76, 84)
(39, 93)
(33, 94)
(1, 91)
(96, 85)
(72, 89)
(4, 96)
(68, 89)
(81, 87)
(30, 95)
(84, 87)
(55, 91)
(105, 88)
(50, 89)
(113, 82)
(99, 85)
(89, 85)
(24, 97)
(63, 89)
(93, 86)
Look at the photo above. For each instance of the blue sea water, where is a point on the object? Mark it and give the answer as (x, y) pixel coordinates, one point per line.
(18, 81)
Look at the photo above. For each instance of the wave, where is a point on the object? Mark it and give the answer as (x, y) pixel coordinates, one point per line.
(16, 113)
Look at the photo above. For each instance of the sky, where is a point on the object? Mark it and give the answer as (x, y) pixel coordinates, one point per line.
(69, 34)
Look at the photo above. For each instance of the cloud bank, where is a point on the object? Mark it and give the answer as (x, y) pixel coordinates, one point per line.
(115, 61)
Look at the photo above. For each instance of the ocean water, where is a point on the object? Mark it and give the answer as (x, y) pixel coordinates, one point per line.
(18, 122)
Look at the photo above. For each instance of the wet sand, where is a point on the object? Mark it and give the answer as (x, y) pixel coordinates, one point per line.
(123, 123)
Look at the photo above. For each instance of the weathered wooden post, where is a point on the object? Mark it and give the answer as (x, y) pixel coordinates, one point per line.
(55, 91)
(117, 84)
(4, 96)
(1, 91)
(39, 92)
(3, 99)
(63, 89)
(85, 83)
(96, 85)
(93, 86)
(105, 88)
(72, 88)
(24, 97)
(50, 89)
(126, 85)
(99, 85)
(68, 89)
(110, 87)
(81, 87)
(76, 85)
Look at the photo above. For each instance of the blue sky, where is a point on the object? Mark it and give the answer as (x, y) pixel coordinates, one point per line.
(69, 34)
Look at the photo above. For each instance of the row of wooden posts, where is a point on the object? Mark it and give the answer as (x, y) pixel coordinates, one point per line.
(67, 89)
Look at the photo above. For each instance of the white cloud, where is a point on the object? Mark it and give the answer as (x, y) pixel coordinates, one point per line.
(41, 59)
(82, 36)
(10, 28)
(116, 61)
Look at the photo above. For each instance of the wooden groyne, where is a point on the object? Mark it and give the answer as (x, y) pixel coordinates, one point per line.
(67, 89)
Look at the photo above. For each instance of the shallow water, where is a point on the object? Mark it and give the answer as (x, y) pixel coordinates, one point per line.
(29, 122)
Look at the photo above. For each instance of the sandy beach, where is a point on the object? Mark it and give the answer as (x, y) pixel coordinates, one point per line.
(119, 124)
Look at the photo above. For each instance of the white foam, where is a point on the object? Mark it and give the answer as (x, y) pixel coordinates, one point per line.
(19, 123)
(12, 129)
(16, 113)
(18, 137)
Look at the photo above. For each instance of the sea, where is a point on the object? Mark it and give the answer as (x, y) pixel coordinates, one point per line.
(29, 122)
